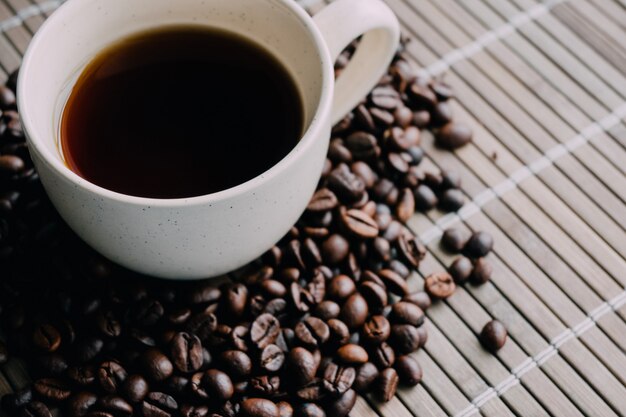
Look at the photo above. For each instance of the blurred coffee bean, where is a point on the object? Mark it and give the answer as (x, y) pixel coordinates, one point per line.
(419, 298)
(156, 365)
(493, 336)
(425, 198)
(409, 371)
(52, 389)
(135, 388)
(264, 330)
(461, 269)
(354, 311)
(387, 384)
(218, 385)
(80, 403)
(404, 338)
(454, 239)
(394, 282)
(352, 354)
(452, 200)
(35, 409)
(340, 407)
(335, 249)
(338, 379)
(453, 135)
(359, 224)
(237, 363)
(482, 271)
(259, 407)
(439, 285)
(383, 355)
(479, 245)
(302, 364)
(309, 410)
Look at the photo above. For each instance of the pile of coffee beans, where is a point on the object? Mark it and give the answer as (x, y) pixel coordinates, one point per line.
(323, 315)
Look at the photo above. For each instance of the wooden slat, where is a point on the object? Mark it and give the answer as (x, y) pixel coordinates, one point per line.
(611, 10)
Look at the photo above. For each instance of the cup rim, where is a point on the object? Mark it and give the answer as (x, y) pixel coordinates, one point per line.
(322, 112)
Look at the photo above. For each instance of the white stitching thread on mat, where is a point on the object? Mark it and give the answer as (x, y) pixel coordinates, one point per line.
(487, 38)
(542, 357)
(519, 175)
(28, 12)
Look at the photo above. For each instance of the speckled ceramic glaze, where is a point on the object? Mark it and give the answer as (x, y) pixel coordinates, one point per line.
(208, 235)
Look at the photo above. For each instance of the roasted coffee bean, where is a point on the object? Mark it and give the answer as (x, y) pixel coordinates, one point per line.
(135, 388)
(362, 145)
(11, 403)
(394, 282)
(423, 335)
(461, 269)
(312, 331)
(272, 357)
(35, 409)
(406, 205)
(341, 287)
(108, 324)
(340, 407)
(482, 271)
(265, 385)
(299, 297)
(111, 375)
(347, 186)
(156, 365)
(493, 336)
(259, 407)
(359, 224)
(186, 352)
(303, 365)
(383, 355)
(354, 311)
(405, 338)
(237, 363)
(385, 98)
(99, 414)
(381, 249)
(407, 313)
(218, 385)
(273, 289)
(338, 379)
(313, 391)
(363, 118)
(335, 249)
(421, 96)
(453, 135)
(177, 384)
(374, 294)
(327, 310)
(338, 153)
(425, 198)
(322, 200)
(411, 250)
(11, 164)
(339, 332)
(196, 386)
(366, 374)
(310, 253)
(83, 375)
(52, 389)
(452, 200)
(264, 330)
(352, 354)
(46, 338)
(479, 245)
(454, 239)
(365, 172)
(421, 118)
(194, 410)
(80, 403)
(377, 329)
(236, 299)
(419, 298)
(159, 404)
(397, 163)
(309, 410)
(284, 409)
(441, 114)
(239, 337)
(115, 405)
(409, 370)
(202, 325)
(7, 98)
(450, 179)
(439, 285)
(387, 384)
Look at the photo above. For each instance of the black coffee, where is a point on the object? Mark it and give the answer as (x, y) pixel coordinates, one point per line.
(180, 112)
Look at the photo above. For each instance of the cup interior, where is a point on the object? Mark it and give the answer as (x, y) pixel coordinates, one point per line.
(80, 29)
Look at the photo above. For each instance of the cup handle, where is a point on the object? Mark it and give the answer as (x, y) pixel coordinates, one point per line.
(343, 21)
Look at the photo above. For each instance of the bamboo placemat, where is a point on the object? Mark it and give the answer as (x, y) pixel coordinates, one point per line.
(543, 84)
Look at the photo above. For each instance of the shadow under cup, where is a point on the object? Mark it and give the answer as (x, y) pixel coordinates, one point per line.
(189, 237)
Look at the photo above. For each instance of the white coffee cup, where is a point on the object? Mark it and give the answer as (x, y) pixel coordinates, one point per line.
(208, 235)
